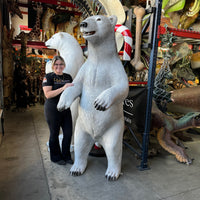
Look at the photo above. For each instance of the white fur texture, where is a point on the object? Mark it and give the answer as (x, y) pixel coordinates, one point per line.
(102, 85)
(48, 67)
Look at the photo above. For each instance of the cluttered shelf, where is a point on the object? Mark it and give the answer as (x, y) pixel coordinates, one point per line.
(181, 33)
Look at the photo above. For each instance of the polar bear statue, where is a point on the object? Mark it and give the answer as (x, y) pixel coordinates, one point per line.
(102, 85)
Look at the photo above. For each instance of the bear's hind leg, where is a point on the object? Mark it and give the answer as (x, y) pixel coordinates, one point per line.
(112, 143)
(83, 143)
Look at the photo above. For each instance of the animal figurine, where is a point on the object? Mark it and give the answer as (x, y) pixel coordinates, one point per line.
(14, 8)
(102, 85)
(67, 26)
(167, 126)
(160, 94)
(182, 74)
(48, 27)
(185, 100)
(34, 34)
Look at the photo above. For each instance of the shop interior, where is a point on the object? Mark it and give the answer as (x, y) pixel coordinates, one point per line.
(159, 48)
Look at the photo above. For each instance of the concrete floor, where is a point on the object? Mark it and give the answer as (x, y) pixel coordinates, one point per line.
(26, 172)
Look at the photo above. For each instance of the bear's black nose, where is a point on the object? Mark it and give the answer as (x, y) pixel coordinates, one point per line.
(83, 24)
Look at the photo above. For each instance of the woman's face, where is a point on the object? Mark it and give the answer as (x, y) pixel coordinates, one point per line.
(58, 67)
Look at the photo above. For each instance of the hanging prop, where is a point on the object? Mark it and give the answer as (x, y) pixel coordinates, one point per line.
(160, 93)
(136, 61)
(114, 7)
(169, 6)
(127, 40)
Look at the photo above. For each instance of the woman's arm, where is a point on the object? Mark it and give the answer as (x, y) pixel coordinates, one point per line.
(49, 93)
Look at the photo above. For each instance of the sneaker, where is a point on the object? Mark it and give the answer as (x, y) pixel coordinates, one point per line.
(70, 161)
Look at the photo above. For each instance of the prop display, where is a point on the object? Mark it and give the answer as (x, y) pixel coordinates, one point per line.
(14, 8)
(114, 7)
(34, 34)
(101, 97)
(185, 100)
(48, 27)
(136, 61)
(195, 60)
(167, 126)
(127, 40)
(67, 26)
(101, 51)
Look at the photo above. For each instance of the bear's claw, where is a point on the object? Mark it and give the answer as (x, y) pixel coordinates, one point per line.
(111, 178)
(62, 106)
(112, 175)
(60, 109)
(77, 170)
(99, 107)
(75, 173)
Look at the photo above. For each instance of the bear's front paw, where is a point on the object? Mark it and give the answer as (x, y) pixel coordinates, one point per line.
(62, 105)
(102, 102)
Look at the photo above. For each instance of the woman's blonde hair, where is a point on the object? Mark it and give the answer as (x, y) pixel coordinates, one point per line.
(55, 58)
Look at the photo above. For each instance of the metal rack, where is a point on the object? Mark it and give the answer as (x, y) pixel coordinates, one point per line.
(153, 44)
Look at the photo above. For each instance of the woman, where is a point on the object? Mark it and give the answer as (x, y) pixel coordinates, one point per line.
(54, 84)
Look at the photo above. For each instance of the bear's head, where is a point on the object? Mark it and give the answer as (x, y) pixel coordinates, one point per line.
(98, 27)
(58, 40)
(53, 42)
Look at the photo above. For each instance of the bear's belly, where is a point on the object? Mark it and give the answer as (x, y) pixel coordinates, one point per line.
(97, 122)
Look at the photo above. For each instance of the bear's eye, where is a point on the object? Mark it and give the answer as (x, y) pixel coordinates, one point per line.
(98, 19)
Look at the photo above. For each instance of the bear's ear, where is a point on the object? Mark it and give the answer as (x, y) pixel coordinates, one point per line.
(113, 20)
(61, 35)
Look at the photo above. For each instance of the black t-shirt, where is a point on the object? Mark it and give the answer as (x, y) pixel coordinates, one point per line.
(56, 81)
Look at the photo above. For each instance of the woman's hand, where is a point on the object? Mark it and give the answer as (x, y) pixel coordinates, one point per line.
(67, 85)
(49, 93)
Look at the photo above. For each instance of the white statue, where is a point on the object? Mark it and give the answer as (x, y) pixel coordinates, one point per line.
(102, 85)
(48, 67)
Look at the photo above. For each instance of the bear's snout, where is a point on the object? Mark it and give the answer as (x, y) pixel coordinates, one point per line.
(83, 24)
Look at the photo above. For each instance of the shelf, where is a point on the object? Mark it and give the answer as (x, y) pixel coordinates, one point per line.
(34, 44)
(55, 2)
(179, 32)
(133, 83)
